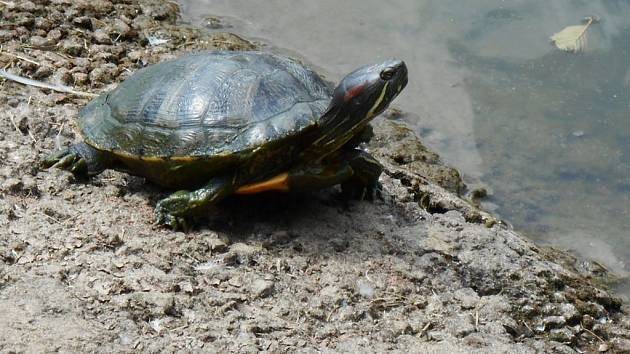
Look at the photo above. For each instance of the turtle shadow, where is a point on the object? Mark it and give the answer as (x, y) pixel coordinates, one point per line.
(255, 215)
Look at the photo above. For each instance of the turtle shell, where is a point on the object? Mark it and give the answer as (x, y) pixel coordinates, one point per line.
(205, 104)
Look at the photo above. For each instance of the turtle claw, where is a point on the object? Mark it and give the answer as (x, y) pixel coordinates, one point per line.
(172, 211)
(359, 191)
(66, 160)
(173, 222)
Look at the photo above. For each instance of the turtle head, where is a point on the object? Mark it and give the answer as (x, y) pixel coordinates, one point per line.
(360, 96)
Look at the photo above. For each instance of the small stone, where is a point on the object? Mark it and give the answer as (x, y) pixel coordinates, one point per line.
(54, 35)
(72, 47)
(620, 345)
(44, 24)
(241, 253)
(62, 76)
(26, 6)
(83, 22)
(39, 42)
(121, 29)
(81, 62)
(101, 37)
(235, 282)
(12, 185)
(467, 297)
(562, 335)
(569, 312)
(80, 78)
(588, 321)
(261, 288)
(42, 72)
(554, 322)
(186, 287)
(104, 74)
(135, 55)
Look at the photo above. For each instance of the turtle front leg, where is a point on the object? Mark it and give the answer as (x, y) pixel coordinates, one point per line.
(81, 159)
(177, 209)
(366, 171)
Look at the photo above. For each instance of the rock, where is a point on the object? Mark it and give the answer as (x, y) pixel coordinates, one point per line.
(54, 35)
(261, 288)
(72, 47)
(121, 29)
(80, 78)
(562, 335)
(569, 312)
(467, 297)
(101, 37)
(241, 253)
(620, 345)
(42, 72)
(554, 322)
(26, 6)
(83, 22)
(39, 42)
(44, 24)
(104, 74)
(62, 76)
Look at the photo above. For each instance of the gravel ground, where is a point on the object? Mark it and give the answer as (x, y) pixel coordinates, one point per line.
(83, 268)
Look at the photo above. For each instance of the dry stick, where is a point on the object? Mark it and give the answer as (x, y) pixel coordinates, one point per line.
(20, 57)
(30, 82)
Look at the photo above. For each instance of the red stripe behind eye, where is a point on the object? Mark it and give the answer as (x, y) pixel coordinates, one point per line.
(353, 92)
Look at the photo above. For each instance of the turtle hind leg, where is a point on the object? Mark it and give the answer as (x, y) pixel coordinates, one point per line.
(177, 209)
(81, 159)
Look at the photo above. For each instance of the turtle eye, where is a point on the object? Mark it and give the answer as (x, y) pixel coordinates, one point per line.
(388, 73)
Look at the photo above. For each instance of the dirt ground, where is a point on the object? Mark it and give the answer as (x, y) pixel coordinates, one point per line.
(83, 269)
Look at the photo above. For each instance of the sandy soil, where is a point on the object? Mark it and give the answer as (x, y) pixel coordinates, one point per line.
(83, 268)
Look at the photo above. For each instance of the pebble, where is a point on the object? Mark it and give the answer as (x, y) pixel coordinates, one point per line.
(563, 335)
(554, 322)
(80, 78)
(101, 37)
(569, 312)
(54, 35)
(42, 72)
(39, 42)
(621, 345)
(261, 288)
(72, 47)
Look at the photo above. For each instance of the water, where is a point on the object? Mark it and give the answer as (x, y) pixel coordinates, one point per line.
(547, 132)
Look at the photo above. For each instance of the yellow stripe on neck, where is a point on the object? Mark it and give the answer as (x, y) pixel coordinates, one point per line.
(370, 113)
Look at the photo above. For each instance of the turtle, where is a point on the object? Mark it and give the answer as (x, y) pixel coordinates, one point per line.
(216, 123)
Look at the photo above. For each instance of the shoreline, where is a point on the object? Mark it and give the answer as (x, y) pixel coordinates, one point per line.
(419, 269)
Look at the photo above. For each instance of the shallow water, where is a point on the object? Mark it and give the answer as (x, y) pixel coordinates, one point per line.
(547, 132)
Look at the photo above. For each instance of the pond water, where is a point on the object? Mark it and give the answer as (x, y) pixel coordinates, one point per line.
(547, 132)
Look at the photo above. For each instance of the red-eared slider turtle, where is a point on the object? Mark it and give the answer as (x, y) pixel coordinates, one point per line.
(218, 123)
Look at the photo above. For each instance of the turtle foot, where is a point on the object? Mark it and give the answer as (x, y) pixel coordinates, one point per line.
(67, 160)
(174, 211)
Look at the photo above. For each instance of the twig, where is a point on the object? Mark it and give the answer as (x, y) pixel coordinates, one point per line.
(14, 125)
(424, 329)
(591, 332)
(30, 82)
(20, 57)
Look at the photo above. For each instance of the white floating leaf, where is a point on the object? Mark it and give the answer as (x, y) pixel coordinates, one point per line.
(573, 38)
